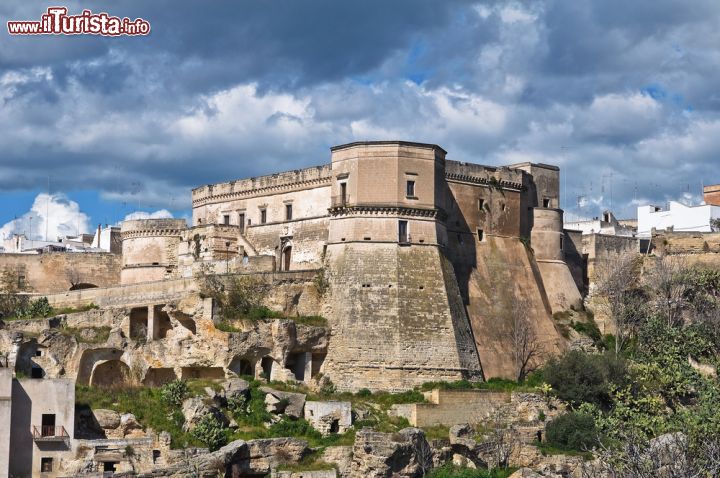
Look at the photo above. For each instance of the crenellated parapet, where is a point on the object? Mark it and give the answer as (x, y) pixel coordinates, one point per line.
(262, 185)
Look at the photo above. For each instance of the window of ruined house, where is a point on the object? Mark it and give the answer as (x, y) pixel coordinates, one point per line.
(226, 219)
(481, 204)
(263, 216)
(241, 221)
(109, 466)
(606, 217)
(47, 425)
(546, 202)
(403, 232)
(480, 235)
(46, 464)
(410, 189)
(288, 212)
(36, 372)
(155, 456)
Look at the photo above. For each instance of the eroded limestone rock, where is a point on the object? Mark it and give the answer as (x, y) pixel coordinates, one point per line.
(287, 403)
(403, 454)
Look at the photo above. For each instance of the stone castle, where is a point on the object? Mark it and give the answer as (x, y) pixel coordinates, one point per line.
(426, 259)
(421, 269)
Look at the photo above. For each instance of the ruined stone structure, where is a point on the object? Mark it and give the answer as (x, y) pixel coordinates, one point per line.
(40, 427)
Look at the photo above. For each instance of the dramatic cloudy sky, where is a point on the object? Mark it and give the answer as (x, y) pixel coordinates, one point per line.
(623, 96)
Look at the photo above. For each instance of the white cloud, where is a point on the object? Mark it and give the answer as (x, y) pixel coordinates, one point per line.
(52, 216)
(620, 117)
(160, 214)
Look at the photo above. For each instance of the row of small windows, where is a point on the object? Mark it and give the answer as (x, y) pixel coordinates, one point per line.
(263, 217)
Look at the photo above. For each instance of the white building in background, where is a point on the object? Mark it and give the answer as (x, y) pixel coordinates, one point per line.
(607, 224)
(679, 217)
(106, 239)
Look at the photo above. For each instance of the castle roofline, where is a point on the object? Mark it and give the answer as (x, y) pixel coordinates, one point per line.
(537, 165)
(264, 177)
(380, 143)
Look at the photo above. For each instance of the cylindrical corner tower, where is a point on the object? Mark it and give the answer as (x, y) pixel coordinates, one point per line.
(547, 233)
(149, 249)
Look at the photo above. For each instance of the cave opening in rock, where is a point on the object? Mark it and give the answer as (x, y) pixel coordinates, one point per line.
(110, 373)
(242, 366)
(138, 322)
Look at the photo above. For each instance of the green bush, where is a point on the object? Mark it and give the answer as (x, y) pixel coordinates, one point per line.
(174, 393)
(572, 431)
(588, 329)
(259, 313)
(209, 431)
(288, 427)
(364, 392)
(577, 377)
(38, 308)
(451, 471)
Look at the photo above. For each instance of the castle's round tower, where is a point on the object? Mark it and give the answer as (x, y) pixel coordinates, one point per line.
(149, 249)
(547, 234)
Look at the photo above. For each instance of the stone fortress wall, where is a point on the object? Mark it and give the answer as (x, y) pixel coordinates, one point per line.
(57, 271)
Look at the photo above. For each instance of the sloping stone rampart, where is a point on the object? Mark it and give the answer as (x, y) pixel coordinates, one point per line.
(394, 325)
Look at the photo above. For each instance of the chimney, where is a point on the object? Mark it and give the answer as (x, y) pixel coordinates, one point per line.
(711, 195)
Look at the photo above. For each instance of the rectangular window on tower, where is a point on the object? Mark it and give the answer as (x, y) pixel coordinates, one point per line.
(410, 189)
(241, 222)
(226, 219)
(403, 232)
(263, 216)
(288, 212)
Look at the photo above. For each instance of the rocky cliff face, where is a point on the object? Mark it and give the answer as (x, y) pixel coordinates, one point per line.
(114, 345)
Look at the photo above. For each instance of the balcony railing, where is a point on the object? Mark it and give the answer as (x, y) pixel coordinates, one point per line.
(50, 433)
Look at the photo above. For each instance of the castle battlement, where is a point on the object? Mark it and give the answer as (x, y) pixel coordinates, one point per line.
(262, 185)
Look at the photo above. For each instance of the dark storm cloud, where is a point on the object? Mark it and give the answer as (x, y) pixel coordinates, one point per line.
(616, 93)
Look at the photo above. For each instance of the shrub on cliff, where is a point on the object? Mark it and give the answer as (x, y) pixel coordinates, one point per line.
(572, 431)
(209, 431)
(174, 393)
(578, 378)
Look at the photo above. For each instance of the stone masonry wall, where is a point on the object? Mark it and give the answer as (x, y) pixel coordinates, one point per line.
(452, 407)
(686, 243)
(393, 326)
(49, 273)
